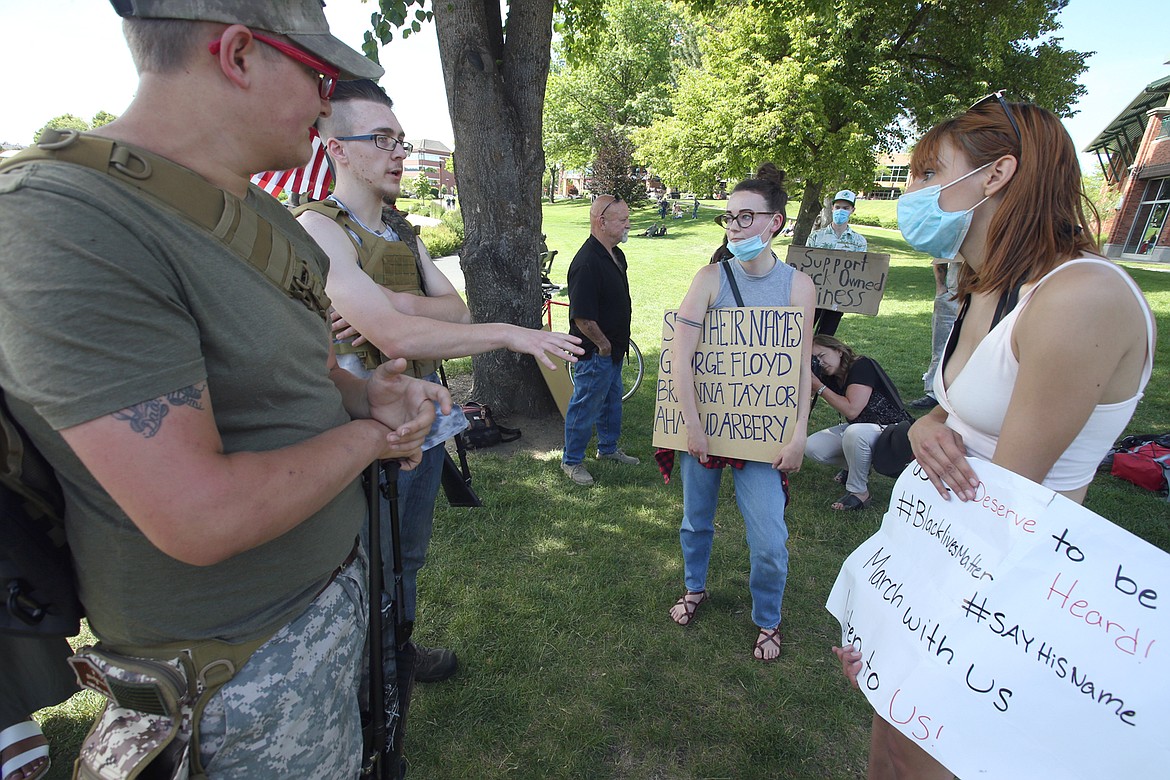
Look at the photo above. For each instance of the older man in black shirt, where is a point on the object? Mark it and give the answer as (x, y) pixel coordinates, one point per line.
(599, 312)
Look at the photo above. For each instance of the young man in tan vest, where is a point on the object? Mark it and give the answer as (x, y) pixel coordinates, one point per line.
(384, 284)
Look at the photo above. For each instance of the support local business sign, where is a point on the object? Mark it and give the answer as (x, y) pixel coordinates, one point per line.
(845, 281)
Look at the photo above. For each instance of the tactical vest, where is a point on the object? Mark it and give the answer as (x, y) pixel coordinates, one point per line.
(391, 264)
(241, 229)
(249, 236)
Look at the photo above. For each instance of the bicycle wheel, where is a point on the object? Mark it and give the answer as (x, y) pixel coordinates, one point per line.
(633, 370)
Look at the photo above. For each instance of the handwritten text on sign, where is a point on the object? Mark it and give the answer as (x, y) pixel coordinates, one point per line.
(846, 281)
(1016, 635)
(747, 372)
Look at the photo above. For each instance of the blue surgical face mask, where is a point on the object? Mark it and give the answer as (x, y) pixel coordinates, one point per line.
(927, 228)
(748, 249)
(840, 216)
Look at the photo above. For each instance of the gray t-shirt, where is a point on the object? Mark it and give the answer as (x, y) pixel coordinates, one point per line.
(108, 300)
(771, 289)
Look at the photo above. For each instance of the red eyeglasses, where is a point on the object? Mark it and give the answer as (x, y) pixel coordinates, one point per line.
(326, 73)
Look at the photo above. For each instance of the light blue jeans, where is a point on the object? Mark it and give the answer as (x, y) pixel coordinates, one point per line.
(760, 497)
(597, 398)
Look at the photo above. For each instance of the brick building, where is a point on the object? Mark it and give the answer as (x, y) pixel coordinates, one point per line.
(430, 156)
(1134, 153)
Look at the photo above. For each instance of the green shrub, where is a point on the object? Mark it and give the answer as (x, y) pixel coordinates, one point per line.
(874, 221)
(454, 220)
(441, 240)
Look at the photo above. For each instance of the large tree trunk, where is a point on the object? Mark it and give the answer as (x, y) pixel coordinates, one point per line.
(810, 206)
(495, 91)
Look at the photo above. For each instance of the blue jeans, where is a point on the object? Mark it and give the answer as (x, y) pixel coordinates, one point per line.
(417, 490)
(761, 502)
(597, 398)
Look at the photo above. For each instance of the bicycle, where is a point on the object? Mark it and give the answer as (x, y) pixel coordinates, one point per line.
(634, 368)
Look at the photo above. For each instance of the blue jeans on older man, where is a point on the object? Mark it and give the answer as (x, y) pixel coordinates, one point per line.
(597, 399)
(760, 496)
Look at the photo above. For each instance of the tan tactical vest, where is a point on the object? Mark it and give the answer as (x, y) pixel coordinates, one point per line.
(247, 234)
(391, 264)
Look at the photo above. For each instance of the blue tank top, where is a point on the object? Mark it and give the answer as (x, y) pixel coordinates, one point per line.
(772, 289)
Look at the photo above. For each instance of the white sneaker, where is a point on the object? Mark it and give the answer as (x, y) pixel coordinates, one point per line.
(620, 457)
(578, 473)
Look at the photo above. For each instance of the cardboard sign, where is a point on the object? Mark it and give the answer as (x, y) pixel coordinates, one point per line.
(846, 281)
(747, 374)
(1016, 635)
(558, 381)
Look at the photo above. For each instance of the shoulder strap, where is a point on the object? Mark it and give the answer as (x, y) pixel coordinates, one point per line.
(888, 386)
(328, 208)
(1007, 302)
(731, 281)
(238, 226)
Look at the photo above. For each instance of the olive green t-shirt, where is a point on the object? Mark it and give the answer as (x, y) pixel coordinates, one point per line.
(108, 299)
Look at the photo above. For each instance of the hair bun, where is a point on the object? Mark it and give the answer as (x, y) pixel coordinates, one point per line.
(769, 172)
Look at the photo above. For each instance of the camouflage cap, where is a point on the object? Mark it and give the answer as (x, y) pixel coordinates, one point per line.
(302, 21)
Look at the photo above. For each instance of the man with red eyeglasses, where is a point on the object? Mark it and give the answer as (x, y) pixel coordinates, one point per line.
(163, 341)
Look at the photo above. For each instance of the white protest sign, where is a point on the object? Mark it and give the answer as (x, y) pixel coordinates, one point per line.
(1016, 635)
(845, 281)
(747, 374)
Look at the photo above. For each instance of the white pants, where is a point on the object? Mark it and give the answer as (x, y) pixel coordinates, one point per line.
(848, 445)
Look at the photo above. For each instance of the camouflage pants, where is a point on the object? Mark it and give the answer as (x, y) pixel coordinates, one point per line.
(292, 710)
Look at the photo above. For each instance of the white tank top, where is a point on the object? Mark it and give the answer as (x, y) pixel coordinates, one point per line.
(977, 400)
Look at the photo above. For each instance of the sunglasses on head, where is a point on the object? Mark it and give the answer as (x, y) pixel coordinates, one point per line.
(616, 199)
(998, 97)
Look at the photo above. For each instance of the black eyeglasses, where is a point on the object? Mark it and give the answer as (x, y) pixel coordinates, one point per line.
(998, 97)
(616, 199)
(383, 142)
(744, 218)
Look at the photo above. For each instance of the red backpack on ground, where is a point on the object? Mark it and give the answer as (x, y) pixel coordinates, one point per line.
(1144, 460)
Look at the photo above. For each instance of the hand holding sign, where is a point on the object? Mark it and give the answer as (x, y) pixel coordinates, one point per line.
(1018, 620)
(747, 372)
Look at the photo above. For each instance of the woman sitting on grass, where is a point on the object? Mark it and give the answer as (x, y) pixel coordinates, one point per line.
(755, 214)
(1053, 346)
(857, 388)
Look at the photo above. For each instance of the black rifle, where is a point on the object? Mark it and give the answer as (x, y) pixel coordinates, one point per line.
(373, 763)
(386, 730)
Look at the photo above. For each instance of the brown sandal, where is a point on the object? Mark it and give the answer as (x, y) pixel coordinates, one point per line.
(690, 601)
(768, 636)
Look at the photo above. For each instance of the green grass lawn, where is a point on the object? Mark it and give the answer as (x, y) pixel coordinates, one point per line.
(556, 597)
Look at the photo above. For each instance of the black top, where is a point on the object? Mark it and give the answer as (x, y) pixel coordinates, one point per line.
(881, 408)
(600, 291)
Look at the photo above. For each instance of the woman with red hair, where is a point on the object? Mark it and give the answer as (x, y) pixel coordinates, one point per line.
(1054, 344)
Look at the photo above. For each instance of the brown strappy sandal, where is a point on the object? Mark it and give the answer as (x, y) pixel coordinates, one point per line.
(690, 601)
(768, 636)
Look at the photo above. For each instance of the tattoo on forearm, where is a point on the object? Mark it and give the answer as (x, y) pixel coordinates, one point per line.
(146, 418)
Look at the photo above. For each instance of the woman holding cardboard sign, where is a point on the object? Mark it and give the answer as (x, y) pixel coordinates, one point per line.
(1054, 344)
(754, 216)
